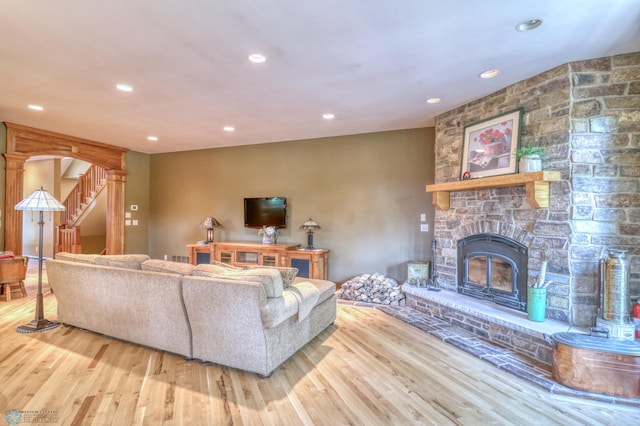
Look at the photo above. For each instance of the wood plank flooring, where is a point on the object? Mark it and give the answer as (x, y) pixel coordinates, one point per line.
(367, 369)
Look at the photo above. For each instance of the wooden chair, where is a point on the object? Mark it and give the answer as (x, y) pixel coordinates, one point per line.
(12, 274)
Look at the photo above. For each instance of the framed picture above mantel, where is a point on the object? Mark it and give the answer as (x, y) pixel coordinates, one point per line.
(489, 146)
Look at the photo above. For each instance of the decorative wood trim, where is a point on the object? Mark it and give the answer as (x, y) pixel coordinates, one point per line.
(24, 142)
(115, 211)
(536, 183)
(14, 188)
(31, 142)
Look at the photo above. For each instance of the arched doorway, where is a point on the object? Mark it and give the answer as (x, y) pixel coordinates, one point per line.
(24, 142)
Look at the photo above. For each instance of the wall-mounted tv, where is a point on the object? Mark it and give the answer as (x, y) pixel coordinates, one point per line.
(267, 211)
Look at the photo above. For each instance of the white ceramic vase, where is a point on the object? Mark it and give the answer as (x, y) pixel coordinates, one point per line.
(530, 163)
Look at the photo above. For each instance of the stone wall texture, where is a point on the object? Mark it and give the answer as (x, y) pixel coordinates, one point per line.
(586, 115)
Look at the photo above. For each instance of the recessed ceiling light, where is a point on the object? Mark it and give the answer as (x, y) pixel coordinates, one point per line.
(257, 58)
(528, 25)
(433, 100)
(36, 107)
(124, 87)
(152, 138)
(489, 74)
(328, 116)
(229, 128)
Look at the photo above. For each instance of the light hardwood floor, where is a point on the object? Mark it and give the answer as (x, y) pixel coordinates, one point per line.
(367, 369)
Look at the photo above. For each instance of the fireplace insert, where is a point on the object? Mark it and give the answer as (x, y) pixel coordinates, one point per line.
(493, 267)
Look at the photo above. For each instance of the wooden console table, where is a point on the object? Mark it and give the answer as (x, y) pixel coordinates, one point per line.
(240, 254)
(310, 263)
(536, 183)
(200, 253)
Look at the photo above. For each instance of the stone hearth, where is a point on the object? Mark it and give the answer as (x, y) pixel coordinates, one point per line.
(498, 324)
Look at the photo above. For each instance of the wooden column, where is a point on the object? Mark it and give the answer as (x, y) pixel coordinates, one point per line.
(14, 188)
(115, 211)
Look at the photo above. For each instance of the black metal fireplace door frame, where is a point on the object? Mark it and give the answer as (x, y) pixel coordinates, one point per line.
(494, 246)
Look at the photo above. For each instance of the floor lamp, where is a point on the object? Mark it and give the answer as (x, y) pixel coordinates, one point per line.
(40, 201)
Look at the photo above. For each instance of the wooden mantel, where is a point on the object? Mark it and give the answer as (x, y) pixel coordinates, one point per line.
(536, 183)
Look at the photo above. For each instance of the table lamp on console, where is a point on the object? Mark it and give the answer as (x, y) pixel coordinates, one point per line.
(209, 223)
(310, 225)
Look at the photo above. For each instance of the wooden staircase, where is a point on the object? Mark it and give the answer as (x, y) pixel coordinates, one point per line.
(89, 185)
(79, 200)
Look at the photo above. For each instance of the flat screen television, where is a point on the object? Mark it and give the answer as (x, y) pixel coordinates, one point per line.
(267, 211)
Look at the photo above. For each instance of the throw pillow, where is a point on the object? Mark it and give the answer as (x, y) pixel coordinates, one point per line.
(7, 255)
(270, 279)
(156, 265)
(126, 261)
(288, 275)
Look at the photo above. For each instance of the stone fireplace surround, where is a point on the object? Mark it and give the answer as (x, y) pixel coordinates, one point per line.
(585, 115)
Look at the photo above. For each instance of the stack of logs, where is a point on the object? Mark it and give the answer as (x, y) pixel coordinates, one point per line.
(373, 288)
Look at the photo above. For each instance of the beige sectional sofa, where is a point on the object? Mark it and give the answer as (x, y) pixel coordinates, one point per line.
(251, 319)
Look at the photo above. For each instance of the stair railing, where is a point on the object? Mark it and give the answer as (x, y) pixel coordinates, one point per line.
(85, 189)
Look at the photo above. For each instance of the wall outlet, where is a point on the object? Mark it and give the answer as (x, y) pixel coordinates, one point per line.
(424, 227)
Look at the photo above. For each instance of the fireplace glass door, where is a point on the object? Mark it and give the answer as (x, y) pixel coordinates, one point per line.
(493, 267)
(491, 272)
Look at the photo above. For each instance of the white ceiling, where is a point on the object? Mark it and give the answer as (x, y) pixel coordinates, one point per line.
(372, 63)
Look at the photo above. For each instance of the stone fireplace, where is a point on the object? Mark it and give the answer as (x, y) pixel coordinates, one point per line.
(585, 115)
(493, 267)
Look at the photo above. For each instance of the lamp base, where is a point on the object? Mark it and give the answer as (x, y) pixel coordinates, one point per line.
(37, 326)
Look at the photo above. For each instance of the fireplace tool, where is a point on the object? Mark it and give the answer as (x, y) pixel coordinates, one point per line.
(432, 284)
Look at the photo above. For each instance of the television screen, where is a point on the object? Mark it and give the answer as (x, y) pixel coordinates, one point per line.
(271, 211)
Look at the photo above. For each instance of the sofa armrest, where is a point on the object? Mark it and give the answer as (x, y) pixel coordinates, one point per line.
(307, 296)
(278, 309)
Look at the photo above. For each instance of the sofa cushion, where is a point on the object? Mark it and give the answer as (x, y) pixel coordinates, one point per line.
(287, 274)
(126, 261)
(270, 278)
(225, 265)
(156, 265)
(209, 270)
(78, 258)
(326, 288)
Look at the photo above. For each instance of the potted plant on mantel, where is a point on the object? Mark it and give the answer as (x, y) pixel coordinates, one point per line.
(529, 158)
